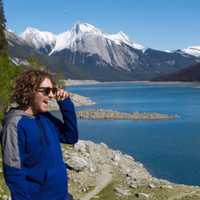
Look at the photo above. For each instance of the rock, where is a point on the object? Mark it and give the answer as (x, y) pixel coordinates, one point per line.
(116, 157)
(104, 145)
(80, 147)
(151, 186)
(142, 195)
(166, 187)
(136, 174)
(92, 169)
(122, 191)
(169, 187)
(132, 185)
(83, 189)
(77, 163)
(129, 157)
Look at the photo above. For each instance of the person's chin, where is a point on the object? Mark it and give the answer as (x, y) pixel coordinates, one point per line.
(44, 109)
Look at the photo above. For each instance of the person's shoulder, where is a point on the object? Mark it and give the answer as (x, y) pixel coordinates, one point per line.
(16, 118)
(13, 122)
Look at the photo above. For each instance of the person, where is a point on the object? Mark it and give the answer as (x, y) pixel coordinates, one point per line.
(30, 138)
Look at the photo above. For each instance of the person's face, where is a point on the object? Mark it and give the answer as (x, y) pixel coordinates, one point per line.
(40, 100)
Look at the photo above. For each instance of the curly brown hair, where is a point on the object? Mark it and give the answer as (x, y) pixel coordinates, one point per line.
(26, 84)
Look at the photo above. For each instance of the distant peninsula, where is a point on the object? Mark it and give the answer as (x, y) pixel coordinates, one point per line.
(107, 114)
(115, 115)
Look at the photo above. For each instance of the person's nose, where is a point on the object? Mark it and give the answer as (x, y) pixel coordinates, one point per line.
(51, 94)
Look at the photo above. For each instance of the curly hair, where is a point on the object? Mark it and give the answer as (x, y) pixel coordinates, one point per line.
(26, 84)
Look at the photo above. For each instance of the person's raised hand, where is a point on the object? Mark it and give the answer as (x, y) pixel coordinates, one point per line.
(61, 94)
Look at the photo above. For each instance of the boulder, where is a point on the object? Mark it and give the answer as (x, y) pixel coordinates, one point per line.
(77, 163)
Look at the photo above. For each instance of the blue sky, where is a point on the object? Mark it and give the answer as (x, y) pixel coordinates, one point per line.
(159, 24)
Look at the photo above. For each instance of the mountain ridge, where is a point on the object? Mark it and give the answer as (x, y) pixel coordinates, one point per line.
(190, 73)
(86, 52)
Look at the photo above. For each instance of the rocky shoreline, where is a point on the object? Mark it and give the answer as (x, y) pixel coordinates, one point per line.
(98, 172)
(115, 115)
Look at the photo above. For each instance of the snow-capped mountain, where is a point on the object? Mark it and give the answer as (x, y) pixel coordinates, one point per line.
(86, 52)
(194, 51)
(83, 31)
(43, 41)
(85, 38)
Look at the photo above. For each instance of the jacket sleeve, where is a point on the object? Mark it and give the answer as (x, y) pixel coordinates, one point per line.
(67, 130)
(13, 151)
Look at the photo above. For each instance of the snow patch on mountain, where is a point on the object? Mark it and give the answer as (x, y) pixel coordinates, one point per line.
(193, 50)
(38, 39)
(121, 37)
(19, 61)
(74, 38)
(86, 28)
(168, 51)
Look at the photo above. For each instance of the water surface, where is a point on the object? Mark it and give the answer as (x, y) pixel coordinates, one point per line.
(169, 149)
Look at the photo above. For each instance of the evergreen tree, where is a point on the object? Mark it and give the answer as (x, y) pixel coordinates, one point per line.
(3, 41)
(8, 73)
(35, 64)
(7, 70)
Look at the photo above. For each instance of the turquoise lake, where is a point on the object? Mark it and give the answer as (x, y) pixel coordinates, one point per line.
(169, 149)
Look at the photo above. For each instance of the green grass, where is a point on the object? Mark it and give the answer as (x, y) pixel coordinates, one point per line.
(195, 197)
(157, 193)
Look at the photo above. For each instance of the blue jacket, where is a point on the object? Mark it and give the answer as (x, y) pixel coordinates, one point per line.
(32, 158)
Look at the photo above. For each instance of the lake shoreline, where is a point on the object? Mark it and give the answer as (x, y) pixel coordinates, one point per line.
(94, 82)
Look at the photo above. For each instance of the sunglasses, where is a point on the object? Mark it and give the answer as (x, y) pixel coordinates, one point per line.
(47, 90)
